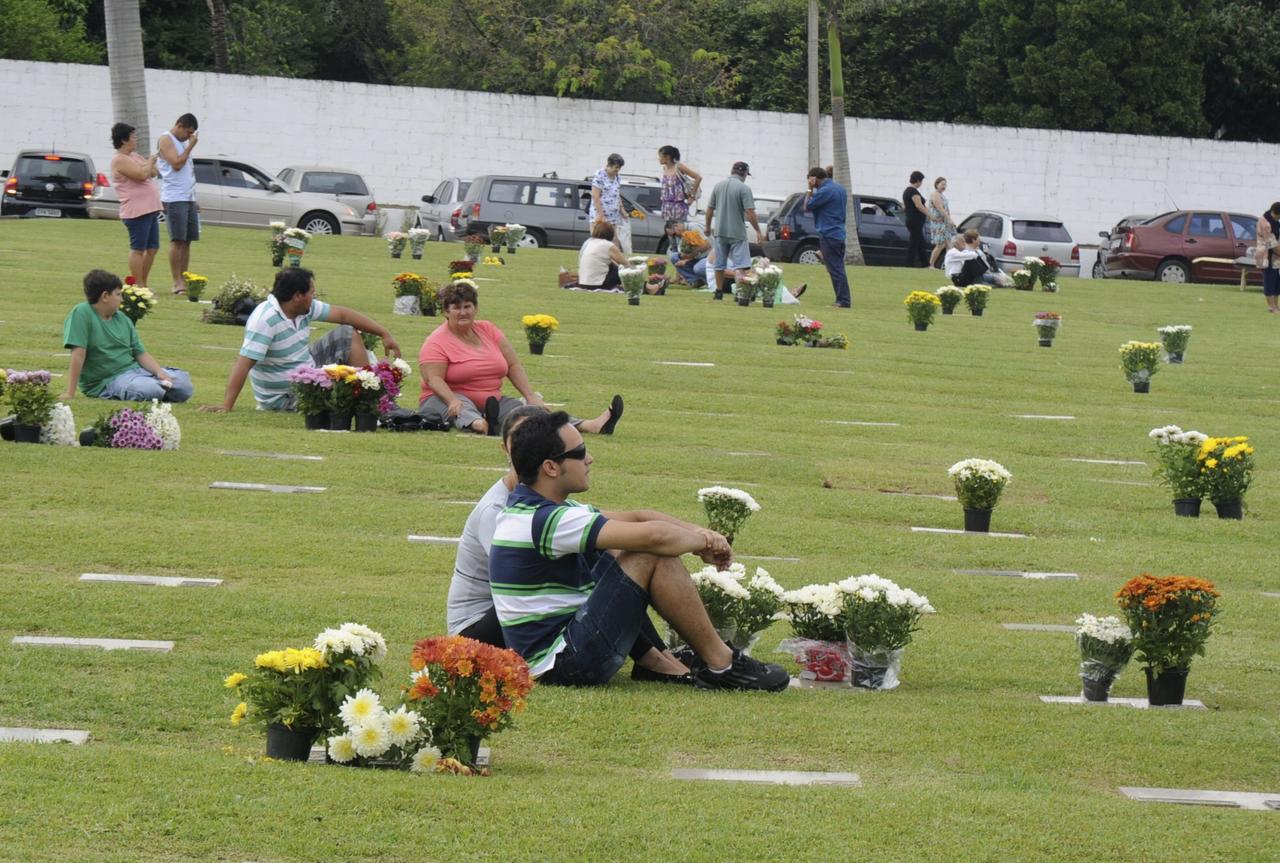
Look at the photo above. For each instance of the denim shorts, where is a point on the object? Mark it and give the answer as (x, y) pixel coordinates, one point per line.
(599, 637)
(732, 254)
(144, 232)
(183, 219)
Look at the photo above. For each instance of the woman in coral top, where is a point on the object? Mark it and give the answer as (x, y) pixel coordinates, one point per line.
(139, 200)
(463, 363)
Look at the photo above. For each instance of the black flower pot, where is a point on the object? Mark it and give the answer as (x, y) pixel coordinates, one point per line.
(88, 436)
(719, 295)
(947, 311)
(289, 744)
(277, 260)
(1188, 507)
(396, 254)
(339, 421)
(977, 520)
(511, 250)
(537, 347)
(1046, 343)
(767, 302)
(315, 422)
(1097, 689)
(6, 429)
(1176, 358)
(417, 256)
(921, 326)
(1226, 508)
(1142, 386)
(1166, 688)
(495, 248)
(785, 343)
(194, 298)
(977, 313)
(366, 422)
(744, 301)
(23, 433)
(634, 301)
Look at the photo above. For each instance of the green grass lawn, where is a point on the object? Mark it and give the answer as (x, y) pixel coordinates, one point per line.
(961, 763)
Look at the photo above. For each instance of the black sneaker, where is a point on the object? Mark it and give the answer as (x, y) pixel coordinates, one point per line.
(644, 675)
(744, 673)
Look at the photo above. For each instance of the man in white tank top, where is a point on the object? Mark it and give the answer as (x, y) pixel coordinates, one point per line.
(178, 195)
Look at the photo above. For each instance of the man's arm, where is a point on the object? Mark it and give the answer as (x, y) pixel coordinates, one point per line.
(344, 315)
(170, 153)
(751, 217)
(918, 200)
(710, 211)
(149, 363)
(665, 538)
(73, 373)
(235, 383)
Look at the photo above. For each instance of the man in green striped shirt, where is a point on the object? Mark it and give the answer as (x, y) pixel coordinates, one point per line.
(277, 341)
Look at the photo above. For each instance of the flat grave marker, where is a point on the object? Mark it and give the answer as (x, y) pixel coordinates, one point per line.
(954, 530)
(44, 735)
(99, 643)
(1123, 482)
(154, 580)
(1272, 595)
(477, 467)
(765, 557)
(669, 363)
(263, 486)
(282, 456)
(440, 540)
(726, 482)
(318, 753)
(1136, 703)
(1042, 416)
(867, 423)
(949, 497)
(219, 348)
(1019, 573)
(747, 453)
(769, 777)
(1038, 627)
(1106, 461)
(1204, 797)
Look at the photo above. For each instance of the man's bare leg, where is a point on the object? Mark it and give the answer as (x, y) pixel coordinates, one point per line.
(676, 599)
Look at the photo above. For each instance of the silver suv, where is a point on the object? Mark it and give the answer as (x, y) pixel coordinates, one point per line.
(553, 211)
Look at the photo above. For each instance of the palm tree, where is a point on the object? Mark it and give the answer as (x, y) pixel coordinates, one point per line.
(128, 73)
(839, 143)
(220, 24)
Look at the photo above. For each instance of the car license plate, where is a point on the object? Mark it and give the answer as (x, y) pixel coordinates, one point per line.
(45, 211)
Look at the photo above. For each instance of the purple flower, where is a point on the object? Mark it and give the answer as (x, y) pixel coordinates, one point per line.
(132, 431)
(309, 375)
(36, 377)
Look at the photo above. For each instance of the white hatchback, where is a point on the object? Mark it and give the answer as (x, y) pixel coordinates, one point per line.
(1010, 237)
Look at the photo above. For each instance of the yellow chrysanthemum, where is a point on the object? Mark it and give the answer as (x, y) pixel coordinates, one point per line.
(1211, 463)
(238, 714)
(234, 680)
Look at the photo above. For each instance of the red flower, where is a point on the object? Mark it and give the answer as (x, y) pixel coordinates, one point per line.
(130, 280)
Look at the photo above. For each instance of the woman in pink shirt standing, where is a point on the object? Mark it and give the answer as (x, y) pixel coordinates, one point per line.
(139, 199)
(463, 363)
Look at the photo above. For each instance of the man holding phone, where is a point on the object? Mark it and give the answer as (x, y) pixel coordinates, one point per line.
(178, 195)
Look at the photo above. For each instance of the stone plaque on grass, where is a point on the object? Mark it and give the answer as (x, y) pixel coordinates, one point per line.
(1265, 802)
(1136, 703)
(264, 486)
(770, 777)
(440, 540)
(43, 735)
(98, 643)
(155, 580)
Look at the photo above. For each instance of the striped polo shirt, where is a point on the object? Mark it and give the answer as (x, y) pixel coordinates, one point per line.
(540, 571)
(278, 346)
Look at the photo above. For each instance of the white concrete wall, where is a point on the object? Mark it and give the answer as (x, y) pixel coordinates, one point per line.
(405, 139)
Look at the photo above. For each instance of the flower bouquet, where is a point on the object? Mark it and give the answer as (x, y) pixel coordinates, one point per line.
(60, 430)
(538, 330)
(727, 509)
(136, 301)
(1171, 618)
(371, 736)
(396, 241)
(342, 395)
(1035, 266)
(633, 282)
(497, 237)
(740, 608)
(820, 648)
(745, 285)
(276, 244)
(785, 333)
(1174, 339)
(879, 618)
(408, 288)
(493, 261)
(465, 691)
(195, 285)
(1023, 280)
(311, 386)
(1177, 452)
(31, 401)
(295, 243)
(235, 301)
(1106, 646)
(515, 233)
(1047, 324)
(949, 296)
(417, 240)
(921, 307)
(656, 266)
(1139, 361)
(473, 244)
(975, 297)
(374, 391)
(807, 330)
(979, 483)
(839, 341)
(769, 280)
(1226, 469)
(456, 268)
(146, 427)
(1048, 275)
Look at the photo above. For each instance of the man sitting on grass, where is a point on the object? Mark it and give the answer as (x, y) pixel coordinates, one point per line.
(108, 360)
(276, 336)
(572, 587)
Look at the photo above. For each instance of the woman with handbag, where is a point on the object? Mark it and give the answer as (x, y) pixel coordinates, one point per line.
(680, 184)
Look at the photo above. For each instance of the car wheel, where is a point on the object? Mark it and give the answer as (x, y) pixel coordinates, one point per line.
(806, 254)
(1173, 272)
(319, 223)
(533, 239)
(1099, 272)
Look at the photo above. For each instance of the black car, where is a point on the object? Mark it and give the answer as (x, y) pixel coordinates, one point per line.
(48, 183)
(882, 231)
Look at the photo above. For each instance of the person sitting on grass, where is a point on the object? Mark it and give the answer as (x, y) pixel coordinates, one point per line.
(599, 260)
(572, 585)
(276, 342)
(108, 360)
(470, 610)
(690, 259)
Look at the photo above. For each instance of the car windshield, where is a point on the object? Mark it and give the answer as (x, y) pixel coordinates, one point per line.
(1046, 232)
(333, 183)
(37, 168)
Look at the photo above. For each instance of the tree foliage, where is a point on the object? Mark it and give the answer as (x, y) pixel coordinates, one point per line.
(48, 30)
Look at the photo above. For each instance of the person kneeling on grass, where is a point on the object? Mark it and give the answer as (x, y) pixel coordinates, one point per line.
(108, 360)
(470, 610)
(276, 342)
(572, 586)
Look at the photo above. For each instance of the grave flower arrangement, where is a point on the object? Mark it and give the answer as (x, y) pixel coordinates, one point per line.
(745, 285)
(312, 386)
(740, 607)
(633, 282)
(949, 296)
(235, 301)
(473, 244)
(979, 483)
(1226, 470)
(343, 393)
(1023, 280)
(975, 297)
(196, 284)
(372, 735)
(456, 268)
(921, 307)
(465, 691)
(396, 241)
(785, 333)
(879, 619)
(807, 329)
(354, 653)
(656, 266)
(727, 509)
(493, 261)
(1177, 452)
(515, 233)
(1106, 645)
(769, 280)
(136, 300)
(1171, 617)
(497, 237)
(31, 402)
(1048, 275)
(1139, 361)
(538, 330)
(1047, 324)
(1174, 339)
(276, 244)
(377, 386)
(145, 427)
(820, 648)
(1035, 266)
(60, 430)
(409, 289)
(295, 243)
(417, 240)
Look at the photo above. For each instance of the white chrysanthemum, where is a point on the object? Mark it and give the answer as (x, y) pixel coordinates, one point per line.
(424, 760)
(371, 739)
(368, 380)
(162, 421)
(1174, 329)
(369, 643)
(1109, 629)
(277, 226)
(1190, 437)
(60, 430)
(762, 580)
(734, 494)
(361, 707)
(333, 642)
(401, 366)
(826, 599)
(948, 289)
(403, 725)
(298, 233)
(980, 467)
(1164, 433)
(722, 581)
(1032, 262)
(341, 748)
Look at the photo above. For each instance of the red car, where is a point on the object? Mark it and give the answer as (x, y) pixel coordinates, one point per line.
(1184, 246)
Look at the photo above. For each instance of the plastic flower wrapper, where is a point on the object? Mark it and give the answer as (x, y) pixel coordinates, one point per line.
(1174, 338)
(633, 279)
(515, 233)
(162, 421)
(136, 301)
(60, 430)
(1139, 360)
(1106, 646)
(418, 239)
(727, 509)
(497, 234)
(819, 646)
(979, 482)
(1047, 324)
(396, 241)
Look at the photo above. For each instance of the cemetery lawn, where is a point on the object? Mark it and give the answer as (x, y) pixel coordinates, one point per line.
(961, 763)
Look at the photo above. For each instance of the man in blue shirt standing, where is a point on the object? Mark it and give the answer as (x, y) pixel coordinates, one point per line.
(826, 199)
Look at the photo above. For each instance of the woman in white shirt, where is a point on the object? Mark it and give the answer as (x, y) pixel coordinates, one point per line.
(599, 260)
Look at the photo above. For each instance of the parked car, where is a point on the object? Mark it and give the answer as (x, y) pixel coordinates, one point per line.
(49, 183)
(553, 211)
(1172, 247)
(343, 184)
(1010, 237)
(1116, 233)
(240, 194)
(438, 207)
(882, 231)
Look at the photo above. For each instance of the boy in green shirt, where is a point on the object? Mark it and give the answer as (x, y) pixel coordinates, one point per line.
(108, 360)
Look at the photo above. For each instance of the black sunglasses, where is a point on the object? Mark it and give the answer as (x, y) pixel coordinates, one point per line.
(578, 453)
